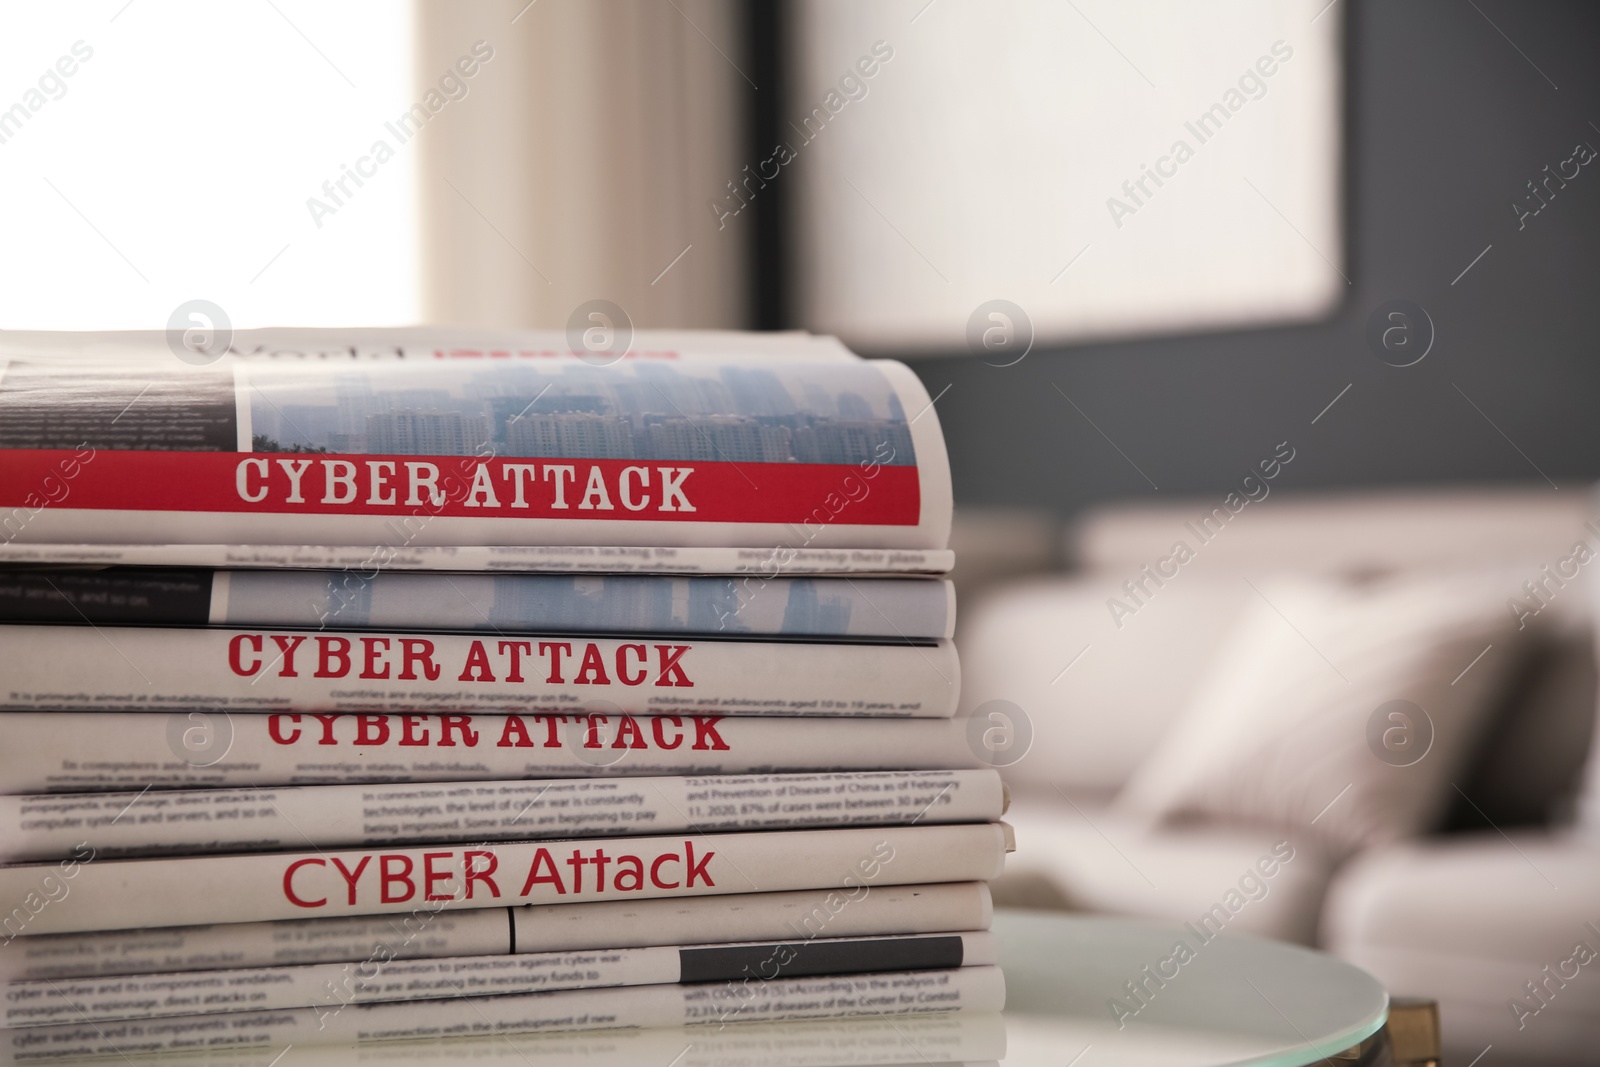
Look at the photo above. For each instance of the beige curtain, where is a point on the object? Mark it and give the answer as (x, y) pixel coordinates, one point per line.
(580, 160)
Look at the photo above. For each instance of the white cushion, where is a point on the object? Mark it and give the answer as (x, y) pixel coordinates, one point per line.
(1094, 721)
(1280, 731)
(1099, 862)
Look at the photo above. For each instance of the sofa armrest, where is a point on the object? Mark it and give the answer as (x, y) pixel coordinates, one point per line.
(1493, 927)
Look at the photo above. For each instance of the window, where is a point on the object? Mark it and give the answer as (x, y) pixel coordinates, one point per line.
(155, 152)
(1111, 167)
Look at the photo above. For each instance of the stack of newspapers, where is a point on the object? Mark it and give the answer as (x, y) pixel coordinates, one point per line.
(407, 685)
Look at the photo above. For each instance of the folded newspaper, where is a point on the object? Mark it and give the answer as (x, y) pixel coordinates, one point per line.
(882, 995)
(851, 608)
(103, 894)
(328, 988)
(364, 942)
(193, 822)
(153, 668)
(88, 751)
(114, 442)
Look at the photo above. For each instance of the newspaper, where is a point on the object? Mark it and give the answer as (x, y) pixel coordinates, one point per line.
(194, 822)
(147, 668)
(863, 608)
(120, 446)
(329, 988)
(884, 996)
(868, 910)
(57, 751)
(754, 565)
(975, 1038)
(84, 892)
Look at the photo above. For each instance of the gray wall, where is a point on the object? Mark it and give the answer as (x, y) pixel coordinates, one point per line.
(1446, 123)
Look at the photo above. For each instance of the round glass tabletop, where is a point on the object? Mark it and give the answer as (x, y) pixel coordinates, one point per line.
(1096, 992)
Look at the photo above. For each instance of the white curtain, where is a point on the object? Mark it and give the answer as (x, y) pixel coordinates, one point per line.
(580, 161)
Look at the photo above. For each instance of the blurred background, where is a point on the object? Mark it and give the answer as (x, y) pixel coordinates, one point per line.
(1305, 288)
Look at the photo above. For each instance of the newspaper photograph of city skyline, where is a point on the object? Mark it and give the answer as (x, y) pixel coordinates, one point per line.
(832, 413)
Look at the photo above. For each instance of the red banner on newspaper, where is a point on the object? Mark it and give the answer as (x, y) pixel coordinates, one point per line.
(867, 493)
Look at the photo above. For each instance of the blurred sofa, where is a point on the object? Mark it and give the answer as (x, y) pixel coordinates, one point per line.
(1484, 895)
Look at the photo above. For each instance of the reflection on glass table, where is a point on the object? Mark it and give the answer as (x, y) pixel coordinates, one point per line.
(1081, 991)
(1099, 992)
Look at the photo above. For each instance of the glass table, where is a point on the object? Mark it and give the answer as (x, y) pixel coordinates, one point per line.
(1097, 992)
(1082, 991)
